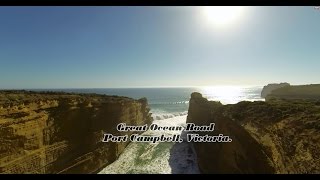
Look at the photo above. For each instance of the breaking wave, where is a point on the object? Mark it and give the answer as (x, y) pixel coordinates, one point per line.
(164, 115)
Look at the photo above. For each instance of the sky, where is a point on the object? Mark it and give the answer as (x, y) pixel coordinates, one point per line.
(109, 47)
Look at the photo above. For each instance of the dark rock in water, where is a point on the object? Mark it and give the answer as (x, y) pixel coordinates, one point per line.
(270, 87)
(54, 132)
(267, 137)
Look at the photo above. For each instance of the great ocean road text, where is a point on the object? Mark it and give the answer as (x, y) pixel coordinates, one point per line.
(191, 128)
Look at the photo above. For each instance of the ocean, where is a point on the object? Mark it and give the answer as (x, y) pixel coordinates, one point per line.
(167, 103)
(169, 107)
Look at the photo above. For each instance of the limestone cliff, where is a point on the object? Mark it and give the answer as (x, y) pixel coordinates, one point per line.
(270, 87)
(268, 137)
(243, 155)
(306, 92)
(60, 132)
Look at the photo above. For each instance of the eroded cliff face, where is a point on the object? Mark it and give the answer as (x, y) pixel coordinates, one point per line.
(304, 92)
(270, 87)
(62, 133)
(268, 137)
(243, 155)
(289, 131)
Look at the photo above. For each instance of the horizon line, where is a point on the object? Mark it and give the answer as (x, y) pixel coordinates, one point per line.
(146, 87)
(130, 87)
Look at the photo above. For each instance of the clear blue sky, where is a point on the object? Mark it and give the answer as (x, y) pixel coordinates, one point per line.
(92, 47)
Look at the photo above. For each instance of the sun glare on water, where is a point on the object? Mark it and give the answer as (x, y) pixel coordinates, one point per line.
(223, 15)
(225, 94)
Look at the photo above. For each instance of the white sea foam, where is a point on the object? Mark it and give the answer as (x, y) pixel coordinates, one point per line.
(159, 158)
(165, 103)
(164, 115)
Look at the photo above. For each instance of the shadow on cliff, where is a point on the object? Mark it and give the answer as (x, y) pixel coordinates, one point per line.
(182, 158)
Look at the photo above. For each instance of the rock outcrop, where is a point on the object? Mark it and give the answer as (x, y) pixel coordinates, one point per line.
(62, 133)
(305, 92)
(268, 137)
(243, 155)
(270, 87)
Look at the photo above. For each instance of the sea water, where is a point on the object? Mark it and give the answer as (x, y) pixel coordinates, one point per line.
(169, 107)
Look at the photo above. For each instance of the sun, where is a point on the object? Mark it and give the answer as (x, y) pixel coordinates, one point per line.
(223, 15)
